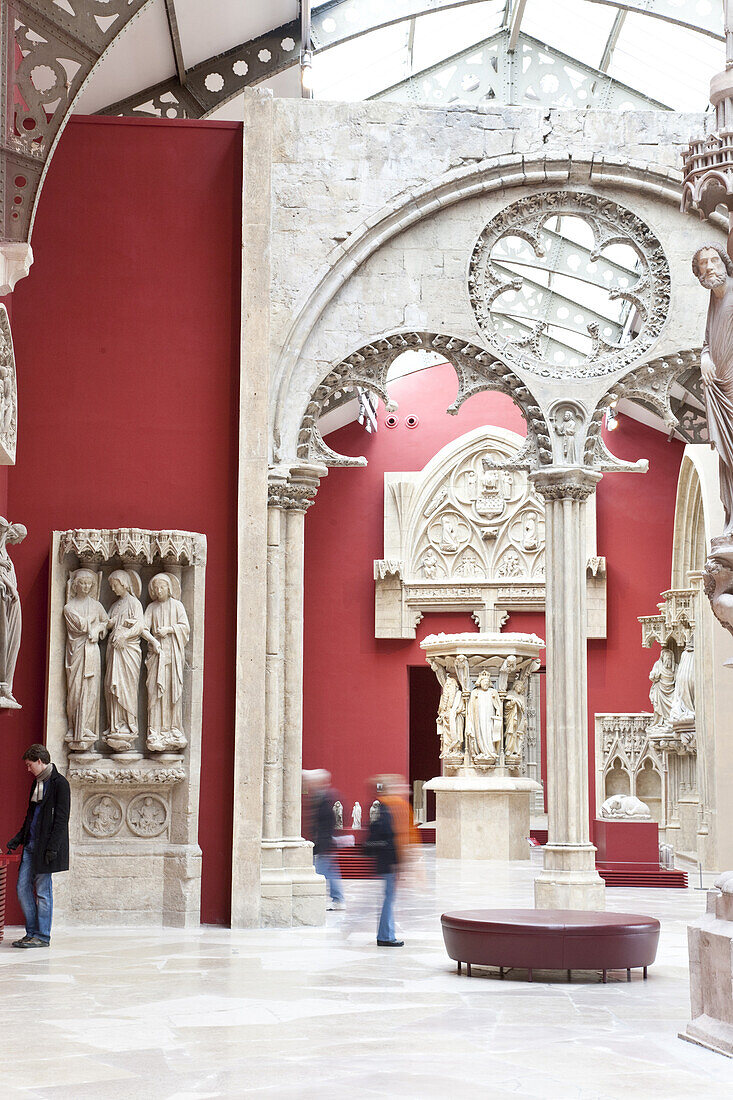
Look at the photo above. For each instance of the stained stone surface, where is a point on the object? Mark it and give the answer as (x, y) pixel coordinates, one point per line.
(133, 1014)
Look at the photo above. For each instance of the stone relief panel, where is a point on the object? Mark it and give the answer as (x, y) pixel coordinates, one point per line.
(468, 533)
(8, 393)
(10, 613)
(124, 705)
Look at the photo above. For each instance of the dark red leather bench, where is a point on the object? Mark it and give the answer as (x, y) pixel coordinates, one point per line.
(550, 939)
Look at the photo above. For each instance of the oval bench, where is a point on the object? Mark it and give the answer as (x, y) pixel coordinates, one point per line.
(550, 939)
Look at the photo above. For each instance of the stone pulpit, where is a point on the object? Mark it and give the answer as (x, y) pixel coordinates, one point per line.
(482, 803)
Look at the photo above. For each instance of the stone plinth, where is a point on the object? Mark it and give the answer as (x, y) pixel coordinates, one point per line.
(482, 816)
(710, 941)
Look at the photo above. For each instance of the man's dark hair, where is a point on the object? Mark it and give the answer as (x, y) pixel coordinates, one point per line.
(727, 262)
(37, 752)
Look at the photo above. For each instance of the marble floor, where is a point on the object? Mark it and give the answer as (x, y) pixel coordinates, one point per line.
(171, 1015)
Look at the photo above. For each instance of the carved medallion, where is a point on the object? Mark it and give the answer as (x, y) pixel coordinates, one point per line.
(147, 815)
(102, 816)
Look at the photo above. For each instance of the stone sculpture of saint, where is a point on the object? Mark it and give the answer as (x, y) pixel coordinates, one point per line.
(484, 719)
(682, 712)
(661, 693)
(450, 711)
(515, 716)
(566, 426)
(356, 816)
(448, 534)
(713, 267)
(10, 623)
(529, 532)
(124, 657)
(166, 620)
(86, 624)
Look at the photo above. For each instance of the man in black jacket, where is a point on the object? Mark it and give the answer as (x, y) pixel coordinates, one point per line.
(45, 838)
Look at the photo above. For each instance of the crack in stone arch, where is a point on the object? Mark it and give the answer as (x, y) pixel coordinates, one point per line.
(477, 370)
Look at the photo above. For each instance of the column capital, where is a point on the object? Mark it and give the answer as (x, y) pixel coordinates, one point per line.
(565, 482)
(296, 491)
(16, 258)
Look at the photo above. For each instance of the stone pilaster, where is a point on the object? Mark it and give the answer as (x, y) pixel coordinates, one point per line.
(569, 879)
(292, 893)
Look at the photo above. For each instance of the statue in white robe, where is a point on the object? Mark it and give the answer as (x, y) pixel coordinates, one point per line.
(10, 622)
(124, 657)
(450, 712)
(661, 694)
(166, 620)
(484, 720)
(86, 624)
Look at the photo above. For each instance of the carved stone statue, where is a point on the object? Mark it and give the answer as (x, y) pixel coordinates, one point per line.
(429, 564)
(484, 720)
(515, 715)
(682, 712)
(124, 656)
(86, 624)
(491, 500)
(338, 814)
(166, 620)
(661, 693)
(10, 622)
(566, 426)
(625, 806)
(448, 534)
(356, 816)
(374, 810)
(718, 583)
(529, 532)
(714, 269)
(450, 713)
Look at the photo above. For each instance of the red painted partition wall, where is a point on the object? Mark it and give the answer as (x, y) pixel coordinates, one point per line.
(355, 686)
(127, 344)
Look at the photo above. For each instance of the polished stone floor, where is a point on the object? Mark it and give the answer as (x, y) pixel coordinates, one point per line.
(169, 1015)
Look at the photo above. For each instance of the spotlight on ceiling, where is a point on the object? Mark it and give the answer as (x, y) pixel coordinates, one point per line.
(306, 72)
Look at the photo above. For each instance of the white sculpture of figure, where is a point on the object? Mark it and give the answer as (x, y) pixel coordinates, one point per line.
(86, 624)
(566, 426)
(529, 532)
(10, 620)
(508, 668)
(682, 711)
(338, 813)
(661, 693)
(469, 565)
(429, 564)
(718, 582)
(484, 719)
(625, 805)
(450, 710)
(511, 565)
(515, 714)
(713, 267)
(124, 657)
(448, 534)
(356, 816)
(374, 810)
(166, 620)
(490, 501)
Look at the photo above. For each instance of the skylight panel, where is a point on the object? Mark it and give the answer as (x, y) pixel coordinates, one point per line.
(573, 26)
(443, 34)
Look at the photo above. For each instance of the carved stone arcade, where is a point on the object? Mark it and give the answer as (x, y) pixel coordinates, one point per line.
(129, 732)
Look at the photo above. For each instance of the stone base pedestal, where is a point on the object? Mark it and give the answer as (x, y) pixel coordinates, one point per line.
(710, 942)
(569, 879)
(292, 892)
(482, 816)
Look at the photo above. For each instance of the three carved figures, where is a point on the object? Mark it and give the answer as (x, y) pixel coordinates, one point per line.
(163, 626)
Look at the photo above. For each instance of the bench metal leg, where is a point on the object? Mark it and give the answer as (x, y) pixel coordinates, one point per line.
(644, 973)
(468, 969)
(458, 968)
(604, 976)
(530, 974)
(628, 973)
(569, 977)
(501, 972)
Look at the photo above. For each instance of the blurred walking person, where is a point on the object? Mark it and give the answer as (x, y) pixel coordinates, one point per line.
(322, 828)
(391, 834)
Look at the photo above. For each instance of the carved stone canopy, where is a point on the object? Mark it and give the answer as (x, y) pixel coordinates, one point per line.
(134, 545)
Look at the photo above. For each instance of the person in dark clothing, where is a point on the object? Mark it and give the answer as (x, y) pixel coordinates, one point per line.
(382, 844)
(45, 838)
(322, 826)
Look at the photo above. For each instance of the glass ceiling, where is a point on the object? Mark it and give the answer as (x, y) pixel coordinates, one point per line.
(659, 60)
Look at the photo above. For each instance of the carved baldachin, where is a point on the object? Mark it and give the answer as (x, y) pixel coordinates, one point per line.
(133, 544)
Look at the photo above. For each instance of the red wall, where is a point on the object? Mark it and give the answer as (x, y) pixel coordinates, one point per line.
(127, 345)
(355, 686)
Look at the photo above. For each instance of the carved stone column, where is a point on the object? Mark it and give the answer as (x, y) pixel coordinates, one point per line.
(292, 893)
(569, 879)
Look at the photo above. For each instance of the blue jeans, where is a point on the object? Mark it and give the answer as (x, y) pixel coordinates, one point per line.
(385, 930)
(35, 895)
(327, 866)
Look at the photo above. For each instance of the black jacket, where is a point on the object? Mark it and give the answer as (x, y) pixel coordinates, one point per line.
(381, 842)
(323, 822)
(52, 833)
